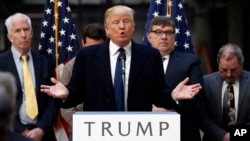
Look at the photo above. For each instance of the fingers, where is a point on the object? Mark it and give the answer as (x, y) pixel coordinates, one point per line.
(185, 81)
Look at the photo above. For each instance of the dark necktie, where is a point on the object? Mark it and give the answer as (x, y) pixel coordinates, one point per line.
(228, 107)
(118, 81)
(163, 59)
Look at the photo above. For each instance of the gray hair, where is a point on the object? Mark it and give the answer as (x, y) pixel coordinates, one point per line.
(230, 50)
(7, 99)
(8, 81)
(12, 17)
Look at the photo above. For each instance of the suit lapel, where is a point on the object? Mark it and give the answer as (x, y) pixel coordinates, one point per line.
(172, 64)
(243, 84)
(137, 59)
(10, 64)
(37, 69)
(102, 62)
(218, 94)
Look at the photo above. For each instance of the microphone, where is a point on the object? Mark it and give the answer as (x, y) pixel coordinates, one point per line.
(122, 58)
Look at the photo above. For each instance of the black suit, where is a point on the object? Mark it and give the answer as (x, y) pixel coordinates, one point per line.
(91, 81)
(180, 66)
(46, 105)
(16, 137)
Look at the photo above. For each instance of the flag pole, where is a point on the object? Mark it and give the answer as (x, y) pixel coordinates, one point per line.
(56, 17)
(169, 8)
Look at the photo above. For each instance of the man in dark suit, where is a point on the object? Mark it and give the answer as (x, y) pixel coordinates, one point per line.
(7, 108)
(20, 35)
(94, 71)
(230, 61)
(177, 66)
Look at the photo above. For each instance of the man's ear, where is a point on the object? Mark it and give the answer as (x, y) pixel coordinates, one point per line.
(9, 37)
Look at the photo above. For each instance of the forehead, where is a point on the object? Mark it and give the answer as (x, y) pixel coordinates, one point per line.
(119, 16)
(167, 27)
(19, 22)
(229, 62)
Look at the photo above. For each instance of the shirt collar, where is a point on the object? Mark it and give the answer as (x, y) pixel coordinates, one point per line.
(113, 48)
(17, 55)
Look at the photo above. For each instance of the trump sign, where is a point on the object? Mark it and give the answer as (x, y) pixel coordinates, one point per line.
(126, 126)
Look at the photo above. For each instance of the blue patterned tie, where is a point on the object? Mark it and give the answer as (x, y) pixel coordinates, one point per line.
(118, 82)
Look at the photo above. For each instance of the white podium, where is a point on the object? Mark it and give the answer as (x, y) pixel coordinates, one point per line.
(126, 126)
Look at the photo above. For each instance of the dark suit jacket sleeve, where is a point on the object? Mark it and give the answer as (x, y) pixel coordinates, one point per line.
(208, 126)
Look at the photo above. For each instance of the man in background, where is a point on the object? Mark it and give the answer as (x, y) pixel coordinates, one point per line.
(231, 80)
(91, 34)
(34, 119)
(177, 67)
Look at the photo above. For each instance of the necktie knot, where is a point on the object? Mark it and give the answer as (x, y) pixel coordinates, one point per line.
(163, 59)
(24, 57)
(122, 54)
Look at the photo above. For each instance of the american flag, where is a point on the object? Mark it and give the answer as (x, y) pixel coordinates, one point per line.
(66, 48)
(67, 41)
(183, 41)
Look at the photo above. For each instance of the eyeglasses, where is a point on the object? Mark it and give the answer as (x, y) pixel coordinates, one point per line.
(159, 32)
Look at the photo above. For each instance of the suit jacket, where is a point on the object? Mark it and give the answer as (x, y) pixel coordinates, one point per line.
(212, 125)
(180, 66)
(46, 105)
(12, 136)
(91, 80)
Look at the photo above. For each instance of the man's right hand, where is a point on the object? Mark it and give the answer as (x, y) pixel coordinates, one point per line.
(57, 91)
(183, 91)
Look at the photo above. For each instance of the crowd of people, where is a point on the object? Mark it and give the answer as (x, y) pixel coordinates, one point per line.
(152, 80)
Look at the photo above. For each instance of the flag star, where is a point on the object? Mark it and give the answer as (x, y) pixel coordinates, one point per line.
(175, 43)
(70, 48)
(52, 39)
(62, 32)
(68, 9)
(73, 36)
(39, 47)
(180, 6)
(59, 44)
(178, 18)
(45, 23)
(156, 14)
(177, 30)
(66, 20)
(51, 1)
(42, 35)
(48, 11)
(158, 2)
(59, 4)
(186, 45)
(49, 51)
(54, 27)
(187, 33)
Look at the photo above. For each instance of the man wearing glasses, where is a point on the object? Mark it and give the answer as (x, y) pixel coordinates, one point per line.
(177, 67)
